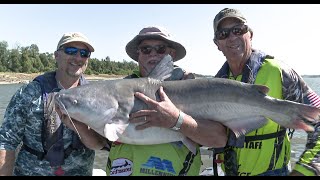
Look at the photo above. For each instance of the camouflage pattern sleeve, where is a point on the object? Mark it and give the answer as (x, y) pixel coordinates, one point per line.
(296, 89)
(14, 125)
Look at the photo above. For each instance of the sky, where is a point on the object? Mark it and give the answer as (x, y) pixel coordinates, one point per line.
(290, 32)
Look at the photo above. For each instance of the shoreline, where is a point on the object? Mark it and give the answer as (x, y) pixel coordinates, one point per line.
(23, 78)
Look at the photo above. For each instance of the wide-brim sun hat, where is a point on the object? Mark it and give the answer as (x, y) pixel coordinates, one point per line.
(154, 32)
(75, 37)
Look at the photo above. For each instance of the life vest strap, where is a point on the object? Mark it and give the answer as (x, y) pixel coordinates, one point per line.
(41, 155)
(265, 136)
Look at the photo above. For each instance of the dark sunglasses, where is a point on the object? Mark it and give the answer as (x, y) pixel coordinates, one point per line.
(73, 51)
(160, 49)
(236, 30)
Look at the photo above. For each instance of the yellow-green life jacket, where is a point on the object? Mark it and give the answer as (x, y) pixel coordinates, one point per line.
(170, 159)
(259, 156)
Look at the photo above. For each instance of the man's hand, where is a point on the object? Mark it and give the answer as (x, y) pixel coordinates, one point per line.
(161, 114)
(165, 114)
(295, 173)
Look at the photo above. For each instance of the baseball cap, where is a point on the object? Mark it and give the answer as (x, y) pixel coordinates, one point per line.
(227, 13)
(75, 37)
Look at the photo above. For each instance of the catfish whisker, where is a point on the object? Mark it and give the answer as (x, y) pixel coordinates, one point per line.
(71, 120)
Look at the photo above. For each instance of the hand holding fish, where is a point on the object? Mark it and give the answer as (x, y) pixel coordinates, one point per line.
(162, 114)
(165, 114)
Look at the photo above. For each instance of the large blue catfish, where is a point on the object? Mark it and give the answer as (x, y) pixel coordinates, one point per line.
(105, 106)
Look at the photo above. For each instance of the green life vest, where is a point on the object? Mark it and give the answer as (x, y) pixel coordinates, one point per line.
(171, 159)
(267, 148)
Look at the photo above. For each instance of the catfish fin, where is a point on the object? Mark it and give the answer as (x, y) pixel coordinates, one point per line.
(176, 74)
(112, 131)
(163, 69)
(261, 88)
(242, 126)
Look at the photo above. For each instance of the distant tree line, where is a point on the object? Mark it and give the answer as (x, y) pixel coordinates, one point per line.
(30, 60)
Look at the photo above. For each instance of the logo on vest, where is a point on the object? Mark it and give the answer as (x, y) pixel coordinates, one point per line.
(156, 166)
(253, 145)
(121, 167)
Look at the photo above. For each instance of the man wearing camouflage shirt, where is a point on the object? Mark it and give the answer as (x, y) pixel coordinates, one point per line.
(48, 148)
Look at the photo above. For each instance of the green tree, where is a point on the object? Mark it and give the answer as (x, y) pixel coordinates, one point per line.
(14, 61)
(4, 55)
(29, 59)
(26, 61)
(37, 64)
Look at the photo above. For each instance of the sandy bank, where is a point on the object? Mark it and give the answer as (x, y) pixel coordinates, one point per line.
(16, 78)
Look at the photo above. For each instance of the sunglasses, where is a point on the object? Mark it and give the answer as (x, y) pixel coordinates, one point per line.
(160, 49)
(84, 53)
(236, 30)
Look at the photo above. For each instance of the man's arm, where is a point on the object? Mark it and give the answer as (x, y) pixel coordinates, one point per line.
(296, 89)
(12, 129)
(309, 161)
(7, 159)
(205, 132)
